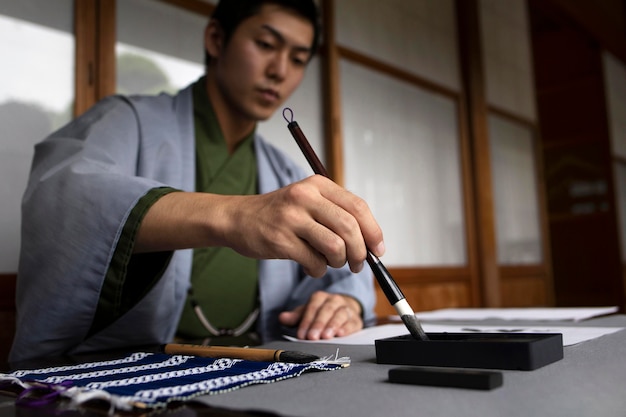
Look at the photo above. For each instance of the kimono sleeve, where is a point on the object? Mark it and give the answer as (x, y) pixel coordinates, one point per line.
(83, 186)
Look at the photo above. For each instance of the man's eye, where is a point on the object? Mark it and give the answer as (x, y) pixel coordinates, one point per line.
(299, 62)
(264, 45)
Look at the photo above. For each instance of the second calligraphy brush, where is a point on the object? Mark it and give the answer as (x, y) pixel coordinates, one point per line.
(253, 354)
(385, 280)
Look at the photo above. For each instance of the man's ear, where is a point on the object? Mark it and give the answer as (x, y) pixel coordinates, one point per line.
(213, 38)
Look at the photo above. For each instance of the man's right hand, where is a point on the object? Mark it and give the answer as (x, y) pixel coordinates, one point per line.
(314, 222)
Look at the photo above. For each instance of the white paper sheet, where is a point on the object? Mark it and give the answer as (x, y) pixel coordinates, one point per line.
(538, 314)
(571, 335)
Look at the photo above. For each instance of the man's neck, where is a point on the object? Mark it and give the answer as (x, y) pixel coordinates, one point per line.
(235, 127)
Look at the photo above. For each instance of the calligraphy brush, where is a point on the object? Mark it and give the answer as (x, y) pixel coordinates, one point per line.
(252, 354)
(385, 280)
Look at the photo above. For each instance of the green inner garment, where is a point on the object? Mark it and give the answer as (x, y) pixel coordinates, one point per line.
(224, 283)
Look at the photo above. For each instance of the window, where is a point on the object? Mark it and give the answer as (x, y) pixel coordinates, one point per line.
(418, 35)
(36, 97)
(402, 156)
(515, 187)
(151, 61)
(507, 58)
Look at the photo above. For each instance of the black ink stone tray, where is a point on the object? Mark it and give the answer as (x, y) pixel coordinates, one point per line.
(521, 351)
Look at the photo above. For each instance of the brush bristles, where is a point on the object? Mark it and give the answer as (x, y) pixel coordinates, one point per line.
(415, 328)
(296, 357)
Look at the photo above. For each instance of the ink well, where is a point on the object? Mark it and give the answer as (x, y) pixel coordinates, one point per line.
(519, 351)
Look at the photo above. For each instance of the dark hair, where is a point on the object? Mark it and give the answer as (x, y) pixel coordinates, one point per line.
(230, 13)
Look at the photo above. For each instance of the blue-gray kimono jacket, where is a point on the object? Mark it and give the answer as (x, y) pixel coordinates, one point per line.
(85, 180)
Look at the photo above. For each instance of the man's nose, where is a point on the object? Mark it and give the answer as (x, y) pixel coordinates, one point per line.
(278, 66)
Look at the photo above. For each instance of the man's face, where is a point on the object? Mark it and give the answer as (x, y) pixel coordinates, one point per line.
(263, 62)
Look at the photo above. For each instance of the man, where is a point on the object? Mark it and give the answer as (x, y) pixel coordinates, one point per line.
(117, 199)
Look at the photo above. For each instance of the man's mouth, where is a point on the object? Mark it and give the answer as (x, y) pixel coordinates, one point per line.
(269, 95)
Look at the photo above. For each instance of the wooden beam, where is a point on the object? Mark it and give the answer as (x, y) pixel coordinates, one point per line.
(85, 12)
(476, 106)
(469, 206)
(331, 96)
(94, 29)
(106, 59)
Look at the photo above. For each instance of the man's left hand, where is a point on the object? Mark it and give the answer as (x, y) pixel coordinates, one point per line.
(325, 316)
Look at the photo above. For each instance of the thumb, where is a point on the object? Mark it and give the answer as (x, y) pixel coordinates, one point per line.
(291, 318)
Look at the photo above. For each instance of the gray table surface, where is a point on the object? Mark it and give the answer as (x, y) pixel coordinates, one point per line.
(589, 381)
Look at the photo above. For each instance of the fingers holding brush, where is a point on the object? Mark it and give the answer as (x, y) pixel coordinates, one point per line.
(354, 222)
(314, 221)
(341, 227)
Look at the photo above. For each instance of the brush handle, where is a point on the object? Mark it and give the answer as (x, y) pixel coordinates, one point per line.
(384, 279)
(307, 150)
(252, 354)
